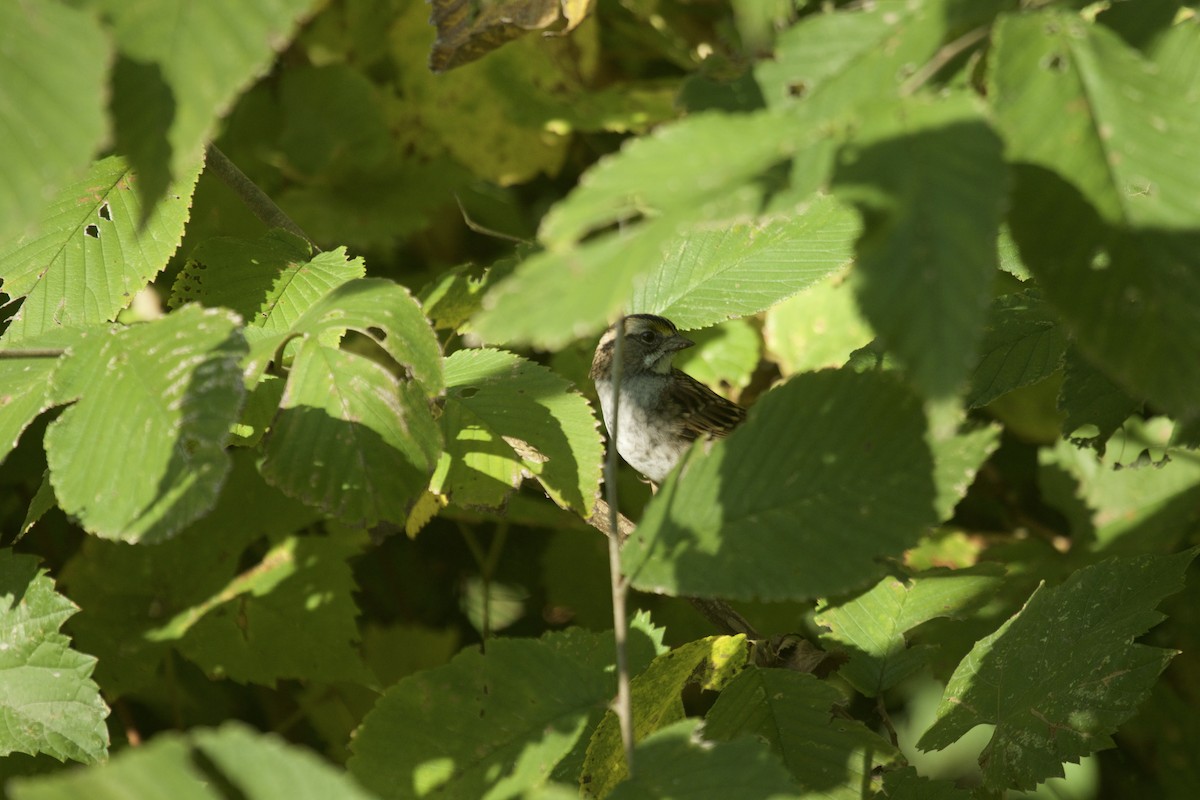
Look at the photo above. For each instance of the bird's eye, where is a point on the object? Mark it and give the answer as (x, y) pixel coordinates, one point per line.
(648, 336)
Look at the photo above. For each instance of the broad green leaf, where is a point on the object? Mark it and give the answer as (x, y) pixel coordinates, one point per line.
(740, 268)
(207, 764)
(484, 725)
(386, 313)
(873, 625)
(697, 274)
(727, 354)
(48, 700)
(292, 615)
(142, 451)
(506, 418)
(186, 573)
(828, 756)
(22, 396)
(1023, 344)
(92, 252)
(656, 694)
(832, 70)
(1129, 296)
(1094, 406)
(837, 60)
(351, 438)
(958, 454)
(178, 82)
(1073, 98)
(928, 178)
(269, 281)
(906, 784)
(163, 769)
(819, 327)
(52, 121)
(677, 763)
(830, 473)
(658, 173)
(1059, 702)
(1135, 498)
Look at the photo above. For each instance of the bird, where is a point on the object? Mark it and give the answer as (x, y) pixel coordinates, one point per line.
(662, 409)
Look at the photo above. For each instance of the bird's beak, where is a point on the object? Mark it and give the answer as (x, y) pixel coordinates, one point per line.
(677, 342)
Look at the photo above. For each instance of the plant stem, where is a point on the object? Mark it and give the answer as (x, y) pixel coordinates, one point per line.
(941, 58)
(624, 704)
(33, 353)
(261, 205)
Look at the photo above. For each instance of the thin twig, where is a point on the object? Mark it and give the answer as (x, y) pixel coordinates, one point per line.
(261, 205)
(32, 353)
(887, 720)
(941, 58)
(480, 229)
(624, 704)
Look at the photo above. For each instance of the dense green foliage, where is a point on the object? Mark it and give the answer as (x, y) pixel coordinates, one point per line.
(301, 513)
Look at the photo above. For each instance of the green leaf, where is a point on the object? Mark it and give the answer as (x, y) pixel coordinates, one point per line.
(1136, 499)
(483, 725)
(1058, 703)
(1129, 297)
(207, 764)
(727, 354)
(186, 573)
(958, 454)
(23, 396)
(676, 763)
(657, 173)
(697, 273)
(737, 269)
(51, 104)
(351, 438)
(178, 83)
(906, 784)
(292, 615)
(872, 625)
(506, 418)
(827, 755)
(819, 327)
(1073, 98)
(92, 252)
(142, 451)
(1023, 344)
(269, 281)
(1094, 406)
(656, 694)
(48, 700)
(830, 473)
(386, 313)
(929, 179)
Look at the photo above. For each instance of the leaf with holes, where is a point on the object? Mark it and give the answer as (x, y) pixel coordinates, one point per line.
(142, 451)
(1073, 98)
(92, 252)
(51, 104)
(270, 281)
